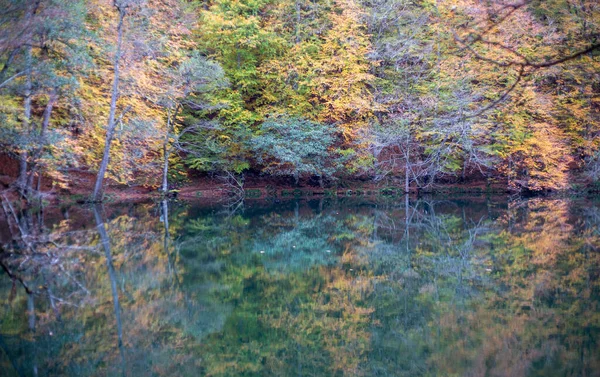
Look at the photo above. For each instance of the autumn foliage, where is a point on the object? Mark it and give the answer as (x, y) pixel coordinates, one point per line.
(422, 92)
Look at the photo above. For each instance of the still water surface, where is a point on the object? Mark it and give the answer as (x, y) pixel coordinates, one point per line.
(465, 287)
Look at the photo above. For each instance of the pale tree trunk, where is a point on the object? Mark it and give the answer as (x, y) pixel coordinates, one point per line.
(171, 117)
(165, 184)
(165, 180)
(96, 195)
(42, 140)
(407, 217)
(406, 206)
(407, 170)
(23, 156)
(165, 173)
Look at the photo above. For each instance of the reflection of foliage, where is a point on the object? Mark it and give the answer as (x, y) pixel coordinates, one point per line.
(279, 291)
(304, 243)
(157, 317)
(438, 288)
(452, 304)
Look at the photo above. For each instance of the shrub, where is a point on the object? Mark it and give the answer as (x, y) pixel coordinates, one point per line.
(295, 147)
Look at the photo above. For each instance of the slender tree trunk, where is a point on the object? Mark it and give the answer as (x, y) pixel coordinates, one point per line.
(7, 64)
(47, 116)
(23, 156)
(96, 195)
(165, 181)
(166, 150)
(41, 139)
(407, 170)
(165, 173)
(406, 216)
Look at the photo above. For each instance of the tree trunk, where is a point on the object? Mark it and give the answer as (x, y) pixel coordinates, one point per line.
(165, 181)
(23, 156)
(96, 195)
(47, 116)
(406, 215)
(41, 139)
(407, 171)
(167, 150)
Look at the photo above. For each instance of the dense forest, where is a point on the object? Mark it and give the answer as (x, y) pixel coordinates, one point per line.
(419, 92)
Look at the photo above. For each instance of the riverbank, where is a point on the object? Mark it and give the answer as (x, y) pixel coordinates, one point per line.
(255, 187)
(80, 185)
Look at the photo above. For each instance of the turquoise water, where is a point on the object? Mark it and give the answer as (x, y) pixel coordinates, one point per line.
(462, 287)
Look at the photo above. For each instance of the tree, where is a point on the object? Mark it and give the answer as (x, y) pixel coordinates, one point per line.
(190, 82)
(42, 54)
(532, 51)
(123, 8)
(325, 75)
(419, 131)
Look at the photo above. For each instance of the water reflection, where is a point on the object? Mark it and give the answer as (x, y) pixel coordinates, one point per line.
(467, 287)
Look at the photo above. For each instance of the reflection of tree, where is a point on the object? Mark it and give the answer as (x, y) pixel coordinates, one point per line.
(297, 242)
(48, 267)
(294, 313)
(105, 240)
(473, 297)
(422, 260)
(69, 275)
(411, 288)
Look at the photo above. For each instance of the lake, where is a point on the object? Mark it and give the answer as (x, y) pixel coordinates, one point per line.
(455, 286)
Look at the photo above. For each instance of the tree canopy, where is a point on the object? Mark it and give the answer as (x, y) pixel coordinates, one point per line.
(417, 91)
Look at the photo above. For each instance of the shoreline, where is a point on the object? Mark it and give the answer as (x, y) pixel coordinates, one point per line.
(79, 189)
(218, 193)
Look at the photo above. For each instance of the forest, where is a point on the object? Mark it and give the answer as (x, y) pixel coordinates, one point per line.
(164, 93)
(424, 176)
